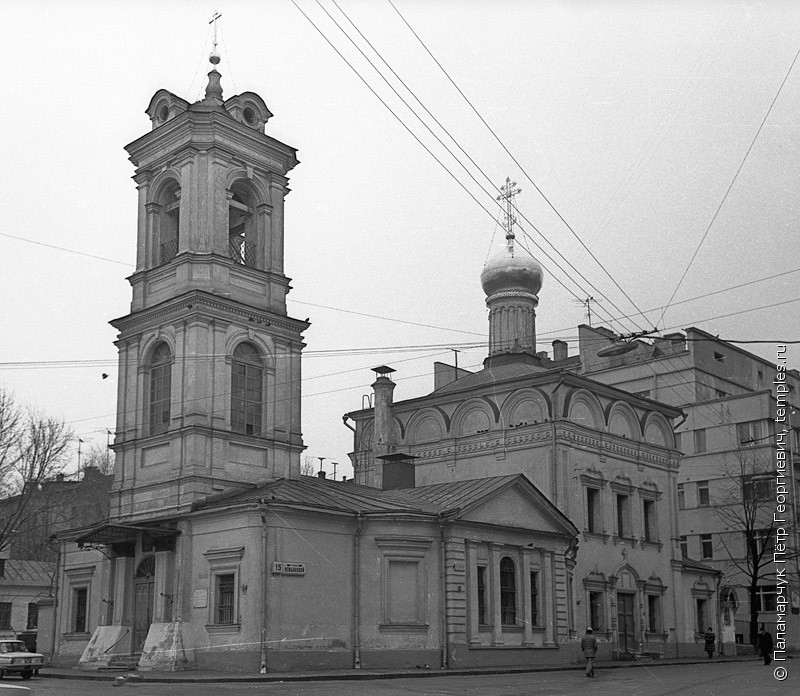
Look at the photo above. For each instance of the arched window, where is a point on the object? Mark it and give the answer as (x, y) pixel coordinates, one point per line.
(169, 224)
(160, 388)
(247, 390)
(508, 592)
(241, 227)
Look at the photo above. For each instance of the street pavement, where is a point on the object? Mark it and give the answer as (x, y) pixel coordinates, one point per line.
(740, 678)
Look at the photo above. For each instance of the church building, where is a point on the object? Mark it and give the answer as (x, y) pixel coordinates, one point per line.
(604, 457)
(217, 553)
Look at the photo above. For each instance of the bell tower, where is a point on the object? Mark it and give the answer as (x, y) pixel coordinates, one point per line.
(209, 360)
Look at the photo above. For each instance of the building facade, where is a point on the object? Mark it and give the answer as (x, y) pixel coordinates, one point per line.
(604, 457)
(740, 426)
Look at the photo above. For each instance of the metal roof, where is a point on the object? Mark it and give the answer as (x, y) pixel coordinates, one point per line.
(29, 573)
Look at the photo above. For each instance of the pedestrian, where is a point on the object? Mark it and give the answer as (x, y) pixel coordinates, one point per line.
(589, 647)
(765, 644)
(710, 640)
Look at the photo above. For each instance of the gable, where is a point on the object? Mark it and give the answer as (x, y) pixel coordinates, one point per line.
(516, 507)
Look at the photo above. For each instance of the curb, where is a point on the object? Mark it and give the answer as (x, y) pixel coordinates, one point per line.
(364, 675)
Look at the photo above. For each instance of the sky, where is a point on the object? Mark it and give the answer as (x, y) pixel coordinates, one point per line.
(664, 137)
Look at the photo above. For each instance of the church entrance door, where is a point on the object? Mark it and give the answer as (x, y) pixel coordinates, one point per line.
(143, 591)
(626, 621)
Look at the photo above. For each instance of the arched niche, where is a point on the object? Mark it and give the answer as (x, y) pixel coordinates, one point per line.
(524, 407)
(621, 420)
(471, 417)
(583, 408)
(426, 426)
(657, 431)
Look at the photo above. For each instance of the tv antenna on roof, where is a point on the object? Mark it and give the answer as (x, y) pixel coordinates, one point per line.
(588, 304)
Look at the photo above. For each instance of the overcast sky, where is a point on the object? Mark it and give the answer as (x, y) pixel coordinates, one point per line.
(633, 118)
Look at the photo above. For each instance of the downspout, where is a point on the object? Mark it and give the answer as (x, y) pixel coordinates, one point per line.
(357, 591)
(265, 574)
(443, 590)
(55, 602)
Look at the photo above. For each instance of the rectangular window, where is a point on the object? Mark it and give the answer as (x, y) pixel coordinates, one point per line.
(750, 433)
(766, 598)
(482, 595)
(649, 515)
(756, 488)
(699, 440)
(79, 598)
(225, 592)
(706, 546)
(645, 394)
(623, 515)
(593, 519)
(596, 611)
(702, 611)
(684, 547)
(5, 615)
(679, 442)
(703, 497)
(654, 613)
(534, 598)
(681, 497)
(33, 616)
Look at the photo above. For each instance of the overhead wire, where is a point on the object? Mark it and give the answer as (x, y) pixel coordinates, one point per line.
(730, 186)
(516, 161)
(458, 161)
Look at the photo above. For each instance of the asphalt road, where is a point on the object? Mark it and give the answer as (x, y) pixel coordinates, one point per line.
(732, 679)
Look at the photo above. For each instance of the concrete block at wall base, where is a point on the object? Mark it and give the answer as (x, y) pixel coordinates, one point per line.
(106, 641)
(164, 650)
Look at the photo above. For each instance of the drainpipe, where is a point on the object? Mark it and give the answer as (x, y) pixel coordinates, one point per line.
(357, 591)
(443, 583)
(56, 602)
(265, 576)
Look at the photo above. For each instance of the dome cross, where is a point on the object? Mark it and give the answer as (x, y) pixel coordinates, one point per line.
(508, 192)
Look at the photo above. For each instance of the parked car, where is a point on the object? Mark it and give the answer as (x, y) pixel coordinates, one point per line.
(15, 658)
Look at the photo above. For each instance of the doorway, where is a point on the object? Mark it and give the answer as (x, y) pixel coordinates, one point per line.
(143, 592)
(626, 622)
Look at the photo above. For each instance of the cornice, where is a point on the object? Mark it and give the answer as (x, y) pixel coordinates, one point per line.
(194, 301)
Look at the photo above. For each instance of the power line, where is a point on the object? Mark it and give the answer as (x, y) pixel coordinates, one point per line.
(514, 159)
(730, 186)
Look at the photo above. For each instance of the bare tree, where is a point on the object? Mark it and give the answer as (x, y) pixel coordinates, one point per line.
(307, 467)
(746, 506)
(33, 448)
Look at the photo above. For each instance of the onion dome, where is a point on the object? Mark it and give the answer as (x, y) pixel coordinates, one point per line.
(511, 271)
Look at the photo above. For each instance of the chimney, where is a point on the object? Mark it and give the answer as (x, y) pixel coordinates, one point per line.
(398, 471)
(384, 423)
(559, 350)
(321, 474)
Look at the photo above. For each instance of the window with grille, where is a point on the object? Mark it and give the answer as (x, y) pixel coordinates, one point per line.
(247, 385)
(80, 597)
(508, 592)
(482, 595)
(226, 587)
(594, 522)
(649, 515)
(160, 389)
(534, 598)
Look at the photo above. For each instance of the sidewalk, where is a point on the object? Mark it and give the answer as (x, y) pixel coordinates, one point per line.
(209, 677)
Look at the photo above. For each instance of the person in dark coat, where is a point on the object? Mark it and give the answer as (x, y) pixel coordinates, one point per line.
(589, 647)
(765, 644)
(710, 640)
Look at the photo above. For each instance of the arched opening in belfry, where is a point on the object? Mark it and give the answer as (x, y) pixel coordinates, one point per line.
(169, 224)
(241, 227)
